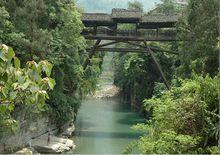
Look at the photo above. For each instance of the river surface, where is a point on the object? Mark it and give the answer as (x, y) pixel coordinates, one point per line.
(103, 126)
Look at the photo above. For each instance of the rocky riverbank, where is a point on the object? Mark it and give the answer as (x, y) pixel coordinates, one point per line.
(38, 137)
(48, 144)
(52, 144)
(55, 144)
(106, 92)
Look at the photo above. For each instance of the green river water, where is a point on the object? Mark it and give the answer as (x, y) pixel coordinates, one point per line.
(103, 126)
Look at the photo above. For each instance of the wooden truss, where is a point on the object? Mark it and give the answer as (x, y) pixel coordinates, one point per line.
(139, 49)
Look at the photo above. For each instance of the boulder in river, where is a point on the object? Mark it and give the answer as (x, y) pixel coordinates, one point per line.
(27, 151)
(53, 144)
(67, 130)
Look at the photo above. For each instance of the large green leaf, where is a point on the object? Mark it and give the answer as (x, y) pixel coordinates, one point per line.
(25, 85)
(17, 62)
(3, 56)
(51, 83)
(46, 67)
(4, 91)
(33, 65)
(13, 95)
(4, 77)
(35, 76)
(3, 108)
(34, 89)
(10, 107)
(10, 54)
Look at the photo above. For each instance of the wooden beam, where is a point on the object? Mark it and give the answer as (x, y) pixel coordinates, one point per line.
(119, 50)
(136, 28)
(127, 38)
(157, 33)
(154, 48)
(107, 44)
(91, 53)
(115, 29)
(156, 25)
(95, 30)
(157, 65)
(98, 48)
(106, 28)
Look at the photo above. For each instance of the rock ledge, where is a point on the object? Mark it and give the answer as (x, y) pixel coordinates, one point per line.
(52, 145)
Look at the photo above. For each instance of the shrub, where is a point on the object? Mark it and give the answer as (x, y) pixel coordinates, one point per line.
(184, 119)
(21, 86)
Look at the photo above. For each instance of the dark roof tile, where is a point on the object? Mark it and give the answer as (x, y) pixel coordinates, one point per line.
(96, 17)
(126, 14)
(159, 18)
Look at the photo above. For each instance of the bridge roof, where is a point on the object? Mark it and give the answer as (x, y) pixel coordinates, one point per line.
(126, 14)
(159, 18)
(99, 19)
(96, 17)
(129, 16)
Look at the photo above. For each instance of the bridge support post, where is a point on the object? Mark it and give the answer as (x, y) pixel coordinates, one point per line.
(91, 53)
(136, 28)
(95, 30)
(115, 29)
(158, 66)
(157, 33)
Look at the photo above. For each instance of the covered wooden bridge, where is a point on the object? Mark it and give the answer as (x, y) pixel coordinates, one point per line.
(144, 27)
(131, 27)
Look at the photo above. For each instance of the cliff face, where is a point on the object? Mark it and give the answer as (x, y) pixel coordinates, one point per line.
(38, 133)
(26, 131)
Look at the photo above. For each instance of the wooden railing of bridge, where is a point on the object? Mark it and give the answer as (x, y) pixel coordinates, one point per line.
(104, 34)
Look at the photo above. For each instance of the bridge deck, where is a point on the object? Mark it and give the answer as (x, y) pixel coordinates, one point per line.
(130, 35)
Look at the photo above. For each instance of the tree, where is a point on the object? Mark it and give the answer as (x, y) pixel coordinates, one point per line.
(136, 5)
(167, 7)
(27, 87)
(50, 29)
(199, 38)
(136, 74)
(184, 120)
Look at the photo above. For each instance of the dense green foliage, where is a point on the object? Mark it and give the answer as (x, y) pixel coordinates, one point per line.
(46, 33)
(199, 36)
(136, 5)
(167, 7)
(184, 119)
(50, 29)
(136, 74)
(21, 87)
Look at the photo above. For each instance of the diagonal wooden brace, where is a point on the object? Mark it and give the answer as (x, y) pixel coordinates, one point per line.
(158, 66)
(91, 53)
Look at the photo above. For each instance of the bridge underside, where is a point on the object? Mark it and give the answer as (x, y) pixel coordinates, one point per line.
(129, 38)
(137, 48)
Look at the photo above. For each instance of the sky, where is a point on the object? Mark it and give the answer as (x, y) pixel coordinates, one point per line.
(105, 6)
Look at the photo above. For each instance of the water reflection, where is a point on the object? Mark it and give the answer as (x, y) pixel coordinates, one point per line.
(100, 134)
